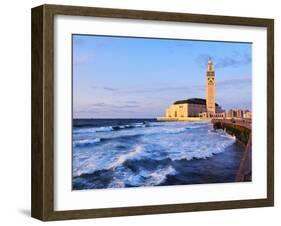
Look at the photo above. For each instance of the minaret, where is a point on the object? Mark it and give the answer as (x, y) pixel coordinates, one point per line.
(210, 88)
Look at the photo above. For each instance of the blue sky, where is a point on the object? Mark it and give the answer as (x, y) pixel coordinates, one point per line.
(118, 77)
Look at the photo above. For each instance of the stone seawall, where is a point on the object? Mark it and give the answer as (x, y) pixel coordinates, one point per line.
(245, 170)
(242, 131)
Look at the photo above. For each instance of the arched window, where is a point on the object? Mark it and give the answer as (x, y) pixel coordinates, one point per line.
(176, 114)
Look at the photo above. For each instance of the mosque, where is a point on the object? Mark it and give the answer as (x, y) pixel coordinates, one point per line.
(196, 109)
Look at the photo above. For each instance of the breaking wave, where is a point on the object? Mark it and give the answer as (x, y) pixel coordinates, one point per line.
(108, 128)
(85, 142)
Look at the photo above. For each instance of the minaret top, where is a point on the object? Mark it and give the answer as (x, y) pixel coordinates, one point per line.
(210, 65)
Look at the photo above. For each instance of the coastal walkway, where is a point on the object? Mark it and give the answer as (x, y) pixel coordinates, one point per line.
(234, 122)
(242, 130)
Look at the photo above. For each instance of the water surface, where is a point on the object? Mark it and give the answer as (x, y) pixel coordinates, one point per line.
(115, 153)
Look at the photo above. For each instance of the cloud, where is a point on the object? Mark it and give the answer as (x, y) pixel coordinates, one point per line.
(235, 93)
(164, 89)
(126, 104)
(195, 89)
(103, 110)
(198, 88)
(100, 104)
(110, 89)
(106, 88)
(131, 102)
(234, 60)
(110, 106)
(234, 82)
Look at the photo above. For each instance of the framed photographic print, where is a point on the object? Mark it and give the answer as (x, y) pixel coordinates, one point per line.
(141, 112)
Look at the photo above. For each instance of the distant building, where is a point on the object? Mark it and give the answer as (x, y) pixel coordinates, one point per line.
(247, 114)
(231, 114)
(239, 113)
(196, 109)
(189, 108)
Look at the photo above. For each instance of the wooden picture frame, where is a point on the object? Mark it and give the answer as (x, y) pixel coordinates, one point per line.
(42, 204)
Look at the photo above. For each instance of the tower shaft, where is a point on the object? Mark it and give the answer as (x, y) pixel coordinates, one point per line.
(210, 88)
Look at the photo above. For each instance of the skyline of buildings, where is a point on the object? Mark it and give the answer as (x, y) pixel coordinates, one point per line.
(198, 109)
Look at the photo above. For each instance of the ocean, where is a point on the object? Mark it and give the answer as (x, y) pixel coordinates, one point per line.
(118, 153)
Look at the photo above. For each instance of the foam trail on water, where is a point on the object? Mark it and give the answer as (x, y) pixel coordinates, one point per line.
(122, 158)
(159, 176)
(94, 129)
(86, 142)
